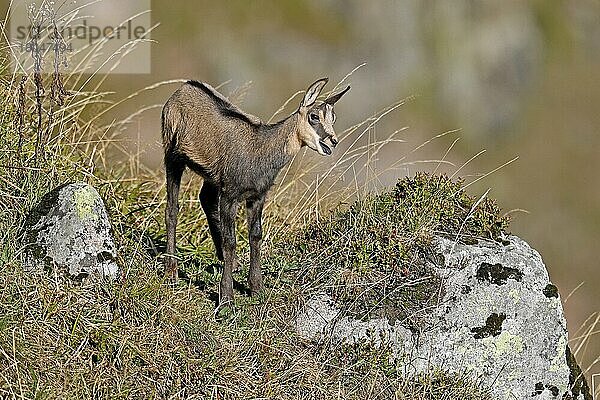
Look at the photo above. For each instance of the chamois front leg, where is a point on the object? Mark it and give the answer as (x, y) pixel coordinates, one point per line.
(227, 211)
(254, 211)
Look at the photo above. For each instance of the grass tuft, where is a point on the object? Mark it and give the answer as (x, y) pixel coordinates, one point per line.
(377, 258)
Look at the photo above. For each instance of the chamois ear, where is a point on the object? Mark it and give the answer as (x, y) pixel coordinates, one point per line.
(333, 99)
(313, 92)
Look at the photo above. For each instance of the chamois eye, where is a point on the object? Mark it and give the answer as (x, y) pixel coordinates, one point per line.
(313, 118)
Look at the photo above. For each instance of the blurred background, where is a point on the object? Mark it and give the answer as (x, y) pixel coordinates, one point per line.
(515, 78)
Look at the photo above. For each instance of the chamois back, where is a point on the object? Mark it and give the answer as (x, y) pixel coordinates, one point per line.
(201, 125)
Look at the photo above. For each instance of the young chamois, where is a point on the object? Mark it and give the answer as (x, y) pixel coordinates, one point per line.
(239, 158)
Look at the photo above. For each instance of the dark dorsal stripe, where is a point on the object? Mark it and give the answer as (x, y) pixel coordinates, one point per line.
(225, 108)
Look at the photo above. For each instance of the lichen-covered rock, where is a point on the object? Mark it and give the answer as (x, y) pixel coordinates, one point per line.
(69, 231)
(499, 318)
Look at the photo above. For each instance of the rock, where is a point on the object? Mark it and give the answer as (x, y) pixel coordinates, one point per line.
(500, 318)
(69, 231)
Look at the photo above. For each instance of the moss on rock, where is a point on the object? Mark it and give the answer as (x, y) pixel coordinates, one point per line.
(85, 200)
(377, 257)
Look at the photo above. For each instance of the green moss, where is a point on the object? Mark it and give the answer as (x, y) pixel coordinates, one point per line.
(448, 209)
(85, 198)
(372, 257)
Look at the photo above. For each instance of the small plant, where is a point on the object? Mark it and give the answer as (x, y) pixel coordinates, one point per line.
(375, 258)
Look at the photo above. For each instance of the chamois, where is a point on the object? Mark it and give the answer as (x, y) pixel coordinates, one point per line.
(238, 157)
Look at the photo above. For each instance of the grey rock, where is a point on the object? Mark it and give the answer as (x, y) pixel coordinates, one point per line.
(500, 318)
(69, 231)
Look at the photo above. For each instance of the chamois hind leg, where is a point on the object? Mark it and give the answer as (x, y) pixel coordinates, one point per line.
(227, 212)
(174, 171)
(254, 211)
(209, 198)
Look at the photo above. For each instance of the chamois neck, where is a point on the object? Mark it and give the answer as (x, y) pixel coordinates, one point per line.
(282, 141)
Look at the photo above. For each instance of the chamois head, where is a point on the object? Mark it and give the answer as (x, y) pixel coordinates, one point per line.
(316, 121)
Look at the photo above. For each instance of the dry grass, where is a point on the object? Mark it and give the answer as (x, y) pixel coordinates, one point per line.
(139, 337)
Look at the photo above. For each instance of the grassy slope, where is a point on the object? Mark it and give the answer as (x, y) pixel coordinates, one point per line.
(141, 338)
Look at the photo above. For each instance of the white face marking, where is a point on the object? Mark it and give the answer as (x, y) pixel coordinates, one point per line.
(309, 137)
(330, 116)
(314, 142)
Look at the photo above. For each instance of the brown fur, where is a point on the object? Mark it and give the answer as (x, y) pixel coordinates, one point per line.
(239, 158)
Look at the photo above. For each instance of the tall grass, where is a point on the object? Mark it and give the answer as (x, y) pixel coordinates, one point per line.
(138, 337)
